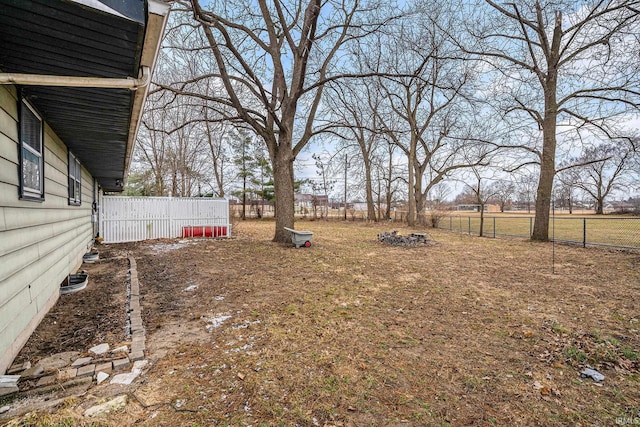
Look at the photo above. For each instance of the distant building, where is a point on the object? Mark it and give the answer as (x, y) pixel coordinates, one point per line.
(304, 203)
(476, 208)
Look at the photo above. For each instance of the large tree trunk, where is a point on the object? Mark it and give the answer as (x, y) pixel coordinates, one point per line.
(411, 214)
(549, 123)
(371, 207)
(282, 161)
(547, 164)
(389, 183)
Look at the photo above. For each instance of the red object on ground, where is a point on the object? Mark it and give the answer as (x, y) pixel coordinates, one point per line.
(204, 231)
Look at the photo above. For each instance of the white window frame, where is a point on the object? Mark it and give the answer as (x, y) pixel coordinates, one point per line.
(29, 193)
(75, 180)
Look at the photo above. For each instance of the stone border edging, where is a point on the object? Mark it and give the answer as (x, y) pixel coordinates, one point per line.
(138, 333)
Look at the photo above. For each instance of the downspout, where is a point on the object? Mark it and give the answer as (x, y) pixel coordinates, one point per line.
(72, 81)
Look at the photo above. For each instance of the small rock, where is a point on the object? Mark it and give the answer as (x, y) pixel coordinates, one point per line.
(121, 363)
(128, 378)
(8, 390)
(107, 407)
(241, 375)
(138, 355)
(9, 380)
(124, 379)
(101, 376)
(18, 367)
(86, 371)
(58, 361)
(5, 409)
(191, 288)
(81, 362)
(33, 371)
(45, 381)
(593, 374)
(52, 363)
(99, 349)
(67, 374)
(139, 365)
(106, 367)
(122, 349)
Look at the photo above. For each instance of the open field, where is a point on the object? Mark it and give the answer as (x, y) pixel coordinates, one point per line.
(623, 231)
(464, 331)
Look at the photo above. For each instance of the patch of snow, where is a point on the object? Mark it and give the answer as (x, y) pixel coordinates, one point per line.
(243, 348)
(241, 326)
(169, 247)
(190, 288)
(218, 298)
(215, 322)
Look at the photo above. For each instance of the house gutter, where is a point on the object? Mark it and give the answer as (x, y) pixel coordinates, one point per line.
(158, 14)
(72, 81)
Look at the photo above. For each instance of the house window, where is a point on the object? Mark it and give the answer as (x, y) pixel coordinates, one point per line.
(75, 189)
(31, 154)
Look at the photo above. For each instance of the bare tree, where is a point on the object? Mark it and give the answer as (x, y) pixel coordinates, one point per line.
(354, 107)
(430, 101)
(176, 131)
(503, 191)
(152, 148)
(386, 175)
(526, 189)
(482, 192)
(606, 168)
(437, 203)
(273, 62)
(174, 152)
(321, 189)
(566, 186)
(215, 135)
(561, 61)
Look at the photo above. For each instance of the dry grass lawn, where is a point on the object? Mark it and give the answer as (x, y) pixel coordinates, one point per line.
(466, 331)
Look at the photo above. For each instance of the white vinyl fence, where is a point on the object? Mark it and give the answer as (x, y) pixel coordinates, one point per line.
(130, 219)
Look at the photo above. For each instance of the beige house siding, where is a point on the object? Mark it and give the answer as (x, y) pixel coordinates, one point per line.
(40, 242)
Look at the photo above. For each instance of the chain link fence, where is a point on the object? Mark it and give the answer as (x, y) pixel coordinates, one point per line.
(615, 232)
(623, 233)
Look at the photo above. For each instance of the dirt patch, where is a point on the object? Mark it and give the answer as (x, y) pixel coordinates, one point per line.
(83, 319)
(352, 332)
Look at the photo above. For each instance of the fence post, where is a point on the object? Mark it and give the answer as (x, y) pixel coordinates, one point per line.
(450, 223)
(494, 227)
(469, 226)
(584, 232)
(530, 226)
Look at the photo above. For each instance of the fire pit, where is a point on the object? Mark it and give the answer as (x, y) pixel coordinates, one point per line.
(395, 239)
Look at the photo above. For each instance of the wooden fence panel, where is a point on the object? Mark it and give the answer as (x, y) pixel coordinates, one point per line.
(131, 219)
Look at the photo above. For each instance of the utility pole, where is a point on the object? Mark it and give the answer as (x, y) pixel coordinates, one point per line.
(346, 165)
